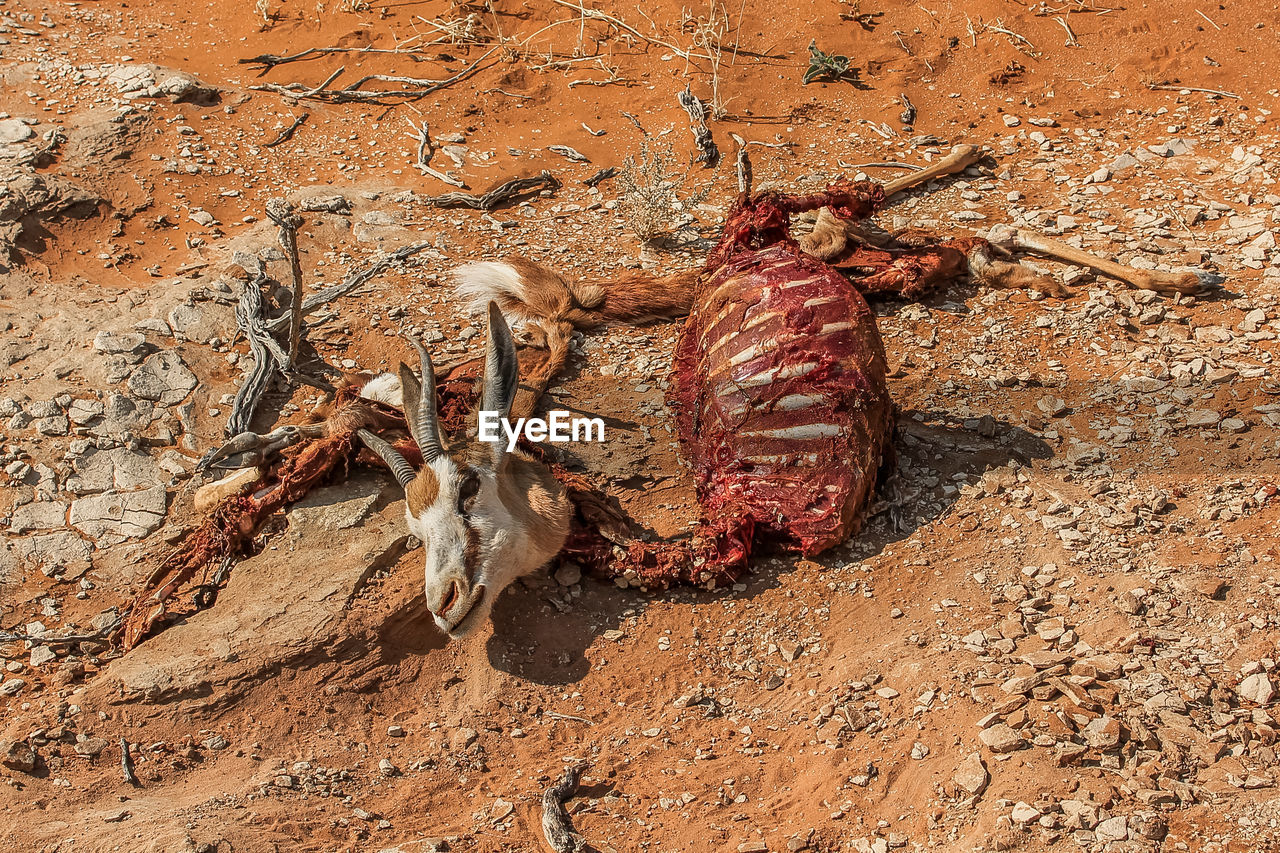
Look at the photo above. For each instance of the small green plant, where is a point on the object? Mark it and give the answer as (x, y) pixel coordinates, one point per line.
(652, 198)
(825, 66)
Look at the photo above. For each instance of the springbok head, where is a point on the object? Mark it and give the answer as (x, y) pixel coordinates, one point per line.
(485, 516)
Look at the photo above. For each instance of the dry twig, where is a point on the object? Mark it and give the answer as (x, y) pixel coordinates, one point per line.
(497, 196)
(556, 825)
(287, 133)
(425, 152)
(1165, 87)
(352, 93)
(126, 765)
(697, 111)
(282, 214)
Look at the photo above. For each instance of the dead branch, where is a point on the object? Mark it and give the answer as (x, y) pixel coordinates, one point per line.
(282, 214)
(497, 196)
(556, 825)
(568, 153)
(287, 133)
(351, 282)
(263, 349)
(744, 165)
(1166, 87)
(126, 765)
(1071, 35)
(602, 175)
(697, 111)
(597, 15)
(353, 94)
(267, 61)
(425, 152)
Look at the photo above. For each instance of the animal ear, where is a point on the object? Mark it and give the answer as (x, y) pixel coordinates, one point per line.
(501, 367)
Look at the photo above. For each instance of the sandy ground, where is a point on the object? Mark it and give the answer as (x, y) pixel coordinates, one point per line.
(1057, 629)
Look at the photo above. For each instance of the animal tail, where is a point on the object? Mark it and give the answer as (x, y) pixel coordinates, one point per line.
(535, 294)
(552, 308)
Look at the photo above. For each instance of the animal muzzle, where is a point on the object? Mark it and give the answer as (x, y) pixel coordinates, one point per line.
(452, 601)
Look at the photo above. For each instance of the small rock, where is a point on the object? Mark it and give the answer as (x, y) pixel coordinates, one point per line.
(216, 742)
(162, 377)
(91, 747)
(1001, 739)
(1024, 813)
(568, 574)
(463, 738)
(1257, 688)
(41, 655)
(326, 204)
(386, 768)
(972, 775)
(1112, 829)
(18, 756)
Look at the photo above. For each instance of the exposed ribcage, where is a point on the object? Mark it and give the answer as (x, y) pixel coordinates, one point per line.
(782, 394)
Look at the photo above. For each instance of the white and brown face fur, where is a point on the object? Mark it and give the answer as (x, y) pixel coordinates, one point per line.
(485, 516)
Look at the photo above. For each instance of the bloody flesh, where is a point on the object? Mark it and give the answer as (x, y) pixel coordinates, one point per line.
(779, 379)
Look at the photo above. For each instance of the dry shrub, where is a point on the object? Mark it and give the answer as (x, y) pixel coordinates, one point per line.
(652, 196)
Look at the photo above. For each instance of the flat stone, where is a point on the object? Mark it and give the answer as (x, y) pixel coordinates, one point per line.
(1124, 161)
(81, 412)
(162, 377)
(1001, 739)
(337, 507)
(118, 468)
(10, 568)
(1112, 829)
(12, 687)
(119, 342)
(130, 78)
(283, 606)
(42, 655)
(38, 515)
(14, 130)
(53, 425)
(1257, 688)
(972, 776)
(91, 747)
(1203, 418)
(113, 517)
(63, 549)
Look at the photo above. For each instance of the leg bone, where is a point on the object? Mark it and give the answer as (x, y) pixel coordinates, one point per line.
(1014, 239)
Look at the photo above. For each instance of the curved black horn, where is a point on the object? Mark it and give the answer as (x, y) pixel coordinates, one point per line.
(424, 422)
(402, 470)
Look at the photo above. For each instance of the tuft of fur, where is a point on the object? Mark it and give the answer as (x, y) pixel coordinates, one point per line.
(384, 388)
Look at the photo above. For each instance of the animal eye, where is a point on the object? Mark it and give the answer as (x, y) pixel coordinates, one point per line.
(467, 491)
